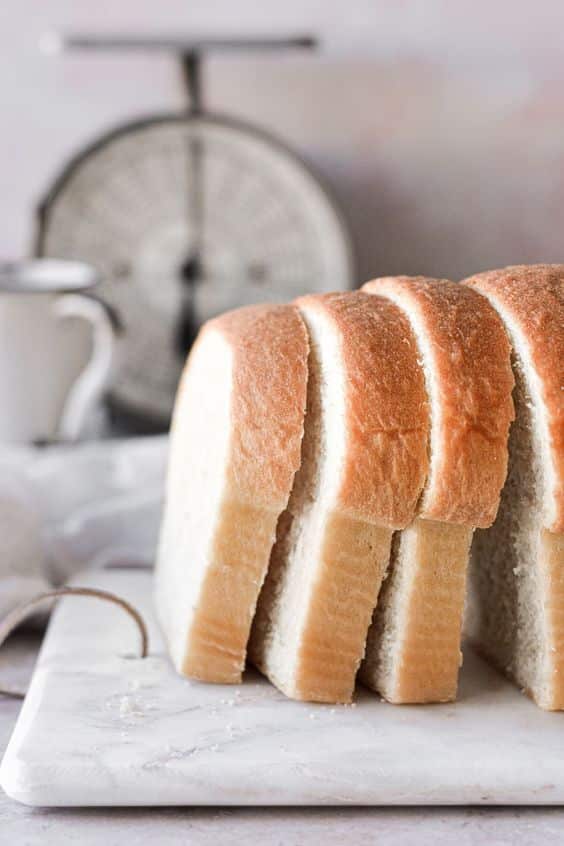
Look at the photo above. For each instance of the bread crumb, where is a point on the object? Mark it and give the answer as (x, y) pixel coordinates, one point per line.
(128, 707)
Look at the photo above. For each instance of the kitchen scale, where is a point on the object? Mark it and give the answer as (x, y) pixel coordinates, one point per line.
(187, 215)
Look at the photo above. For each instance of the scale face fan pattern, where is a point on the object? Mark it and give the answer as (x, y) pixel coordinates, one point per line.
(135, 206)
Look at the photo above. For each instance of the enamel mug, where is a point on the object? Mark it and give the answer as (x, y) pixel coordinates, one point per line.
(56, 350)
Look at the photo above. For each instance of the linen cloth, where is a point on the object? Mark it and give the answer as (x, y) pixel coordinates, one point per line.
(66, 508)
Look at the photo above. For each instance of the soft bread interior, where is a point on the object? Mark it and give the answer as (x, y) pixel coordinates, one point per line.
(516, 602)
(413, 646)
(199, 445)
(294, 564)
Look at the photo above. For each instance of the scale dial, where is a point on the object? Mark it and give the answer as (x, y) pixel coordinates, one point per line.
(145, 199)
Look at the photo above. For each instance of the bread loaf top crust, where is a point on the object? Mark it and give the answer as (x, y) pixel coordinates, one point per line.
(387, 419)
(467, 354)
(532, 298)
(270, 347)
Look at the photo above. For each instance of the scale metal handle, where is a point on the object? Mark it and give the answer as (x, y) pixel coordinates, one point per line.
(53, 42)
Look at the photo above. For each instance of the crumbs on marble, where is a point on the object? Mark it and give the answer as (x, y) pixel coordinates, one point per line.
(129, 707)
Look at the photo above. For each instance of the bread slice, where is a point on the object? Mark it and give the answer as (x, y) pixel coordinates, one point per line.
(516, 609)
(363, 466)
(413, 646)
(234, 448)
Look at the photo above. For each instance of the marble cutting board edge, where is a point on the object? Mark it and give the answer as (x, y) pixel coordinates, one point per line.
(101, 727)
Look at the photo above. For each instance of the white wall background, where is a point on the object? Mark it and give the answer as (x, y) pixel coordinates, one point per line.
(439, 124)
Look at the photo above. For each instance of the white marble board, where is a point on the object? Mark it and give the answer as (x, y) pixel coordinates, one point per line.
(100, 727)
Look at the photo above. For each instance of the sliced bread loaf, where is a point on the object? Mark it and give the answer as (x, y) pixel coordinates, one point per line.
(413, 646)
(364, 462)
(235, 446)
(516, 608)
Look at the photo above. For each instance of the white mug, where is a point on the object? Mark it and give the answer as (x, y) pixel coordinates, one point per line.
(56, 350)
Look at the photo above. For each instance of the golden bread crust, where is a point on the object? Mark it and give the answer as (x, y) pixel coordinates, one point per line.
(471, 360)
(270, 348)
(387, 415)
(534, 298)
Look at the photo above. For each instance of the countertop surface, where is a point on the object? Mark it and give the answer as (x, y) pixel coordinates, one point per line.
(22, 825)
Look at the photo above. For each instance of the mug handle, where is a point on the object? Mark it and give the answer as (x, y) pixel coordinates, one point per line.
(94, 379)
